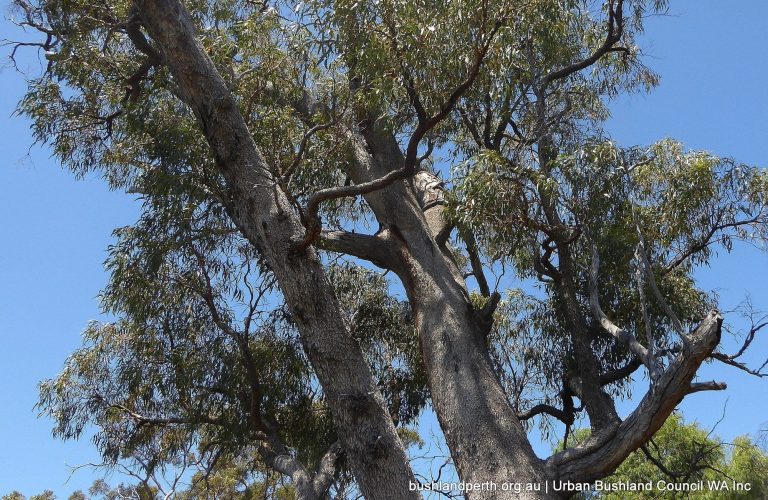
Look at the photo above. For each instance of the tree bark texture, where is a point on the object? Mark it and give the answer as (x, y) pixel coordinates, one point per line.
(486, 439)
(265, 217)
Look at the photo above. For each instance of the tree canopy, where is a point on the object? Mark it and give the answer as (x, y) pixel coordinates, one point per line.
(325, 188)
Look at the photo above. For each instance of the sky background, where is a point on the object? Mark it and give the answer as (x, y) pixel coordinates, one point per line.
(712, 59)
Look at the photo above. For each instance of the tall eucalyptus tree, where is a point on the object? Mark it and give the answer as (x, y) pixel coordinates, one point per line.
(269, 140)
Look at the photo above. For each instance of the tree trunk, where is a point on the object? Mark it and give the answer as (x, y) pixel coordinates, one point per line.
(264, 216)
(488, 443)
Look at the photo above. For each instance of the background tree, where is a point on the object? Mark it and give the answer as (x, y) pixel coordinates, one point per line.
(14, 495)
(268, 141)
(685, 453)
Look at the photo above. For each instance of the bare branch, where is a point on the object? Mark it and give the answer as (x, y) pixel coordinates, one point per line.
(618, 333)
(303, 146)
(705, 241)
(621, 373)
(598, 457)
(475, 262)
(646, 266)
(615, 29)
(707, 386)
(741, 366)
(375, 249)
(659, 465)
(549, 410)
(757, 325)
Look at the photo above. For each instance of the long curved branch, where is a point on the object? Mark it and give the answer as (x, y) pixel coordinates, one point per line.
(621, 373)
(597, 458)
(615, 29)
(549, 410)
(705, 241)
(645, 265)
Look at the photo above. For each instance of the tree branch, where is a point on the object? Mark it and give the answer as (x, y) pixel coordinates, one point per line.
(621, 373)
(376, 249)
(615, 30)
(142, 420)
(728, 360)
(475, 262)
(425, 124)
(646, 266)
(327, 469)
(659, 465)
(757, 325)
(618, 333)
(597, 458)
(303, 146)
(707, 386)
(705, 242)
(549, 410)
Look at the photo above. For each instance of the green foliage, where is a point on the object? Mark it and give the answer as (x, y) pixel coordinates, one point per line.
(170, 383)
(526, 349)
(230, 481)
(238, 480)
(686, 453)
(384, 328)
(682, 449)
(686, 205)
(14, 495)
(692, 455)
(46, 495)
(102, 491)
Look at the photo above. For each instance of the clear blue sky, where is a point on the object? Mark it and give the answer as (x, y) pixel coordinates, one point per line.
(712, 58)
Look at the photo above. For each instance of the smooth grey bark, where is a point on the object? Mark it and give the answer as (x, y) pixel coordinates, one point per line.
(306, 485)
(266, 218)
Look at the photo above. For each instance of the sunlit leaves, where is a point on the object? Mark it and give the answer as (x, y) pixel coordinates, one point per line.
(693, 454)
(686, 205)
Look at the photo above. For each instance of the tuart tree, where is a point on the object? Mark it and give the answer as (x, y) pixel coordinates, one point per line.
(282, 150)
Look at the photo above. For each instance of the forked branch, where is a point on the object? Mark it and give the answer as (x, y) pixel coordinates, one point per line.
(759, 322)
(597, 458)
(645, 265)
(425, 124)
